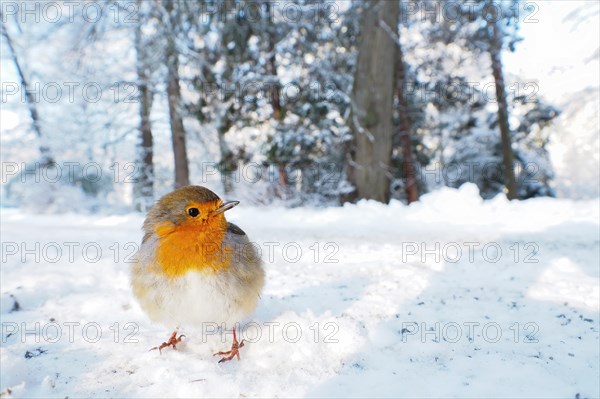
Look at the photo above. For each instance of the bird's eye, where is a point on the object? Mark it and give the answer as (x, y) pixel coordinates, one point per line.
(193, 212)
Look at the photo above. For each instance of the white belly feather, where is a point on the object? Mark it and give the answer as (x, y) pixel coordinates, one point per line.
(196, 298)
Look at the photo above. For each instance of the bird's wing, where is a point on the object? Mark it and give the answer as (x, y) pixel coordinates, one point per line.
(233, 228)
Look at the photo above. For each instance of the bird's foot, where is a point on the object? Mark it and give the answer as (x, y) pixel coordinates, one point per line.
(173, 341)
(234, 352)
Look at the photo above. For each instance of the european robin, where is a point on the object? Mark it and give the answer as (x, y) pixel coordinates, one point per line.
(194, 267)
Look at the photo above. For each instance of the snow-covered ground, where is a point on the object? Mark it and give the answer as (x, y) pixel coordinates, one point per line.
(356, 304)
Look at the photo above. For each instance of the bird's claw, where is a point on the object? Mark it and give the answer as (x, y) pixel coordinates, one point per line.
(234, 352)
(173, 341)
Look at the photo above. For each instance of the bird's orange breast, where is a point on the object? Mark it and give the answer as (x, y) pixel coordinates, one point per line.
(184, 248)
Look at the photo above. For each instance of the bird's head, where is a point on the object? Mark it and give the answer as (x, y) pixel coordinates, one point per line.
(188, 208)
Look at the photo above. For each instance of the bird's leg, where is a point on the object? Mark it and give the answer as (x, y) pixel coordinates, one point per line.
(173, 341)
(234, 352)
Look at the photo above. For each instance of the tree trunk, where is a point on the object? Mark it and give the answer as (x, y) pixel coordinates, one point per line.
(507, 152)
(410, 178)
(275, 97)
(144, 187)
(46, 158)
(174, 100)
(372, 96)
(227, 164)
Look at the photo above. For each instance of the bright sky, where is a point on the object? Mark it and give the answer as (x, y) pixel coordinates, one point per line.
(554, 50)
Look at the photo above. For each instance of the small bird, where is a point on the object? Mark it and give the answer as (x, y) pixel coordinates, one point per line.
(194, 267)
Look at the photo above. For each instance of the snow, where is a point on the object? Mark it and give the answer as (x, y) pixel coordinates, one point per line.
(378, 314)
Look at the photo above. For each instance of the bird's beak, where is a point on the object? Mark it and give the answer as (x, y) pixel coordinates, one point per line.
(225, 207)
